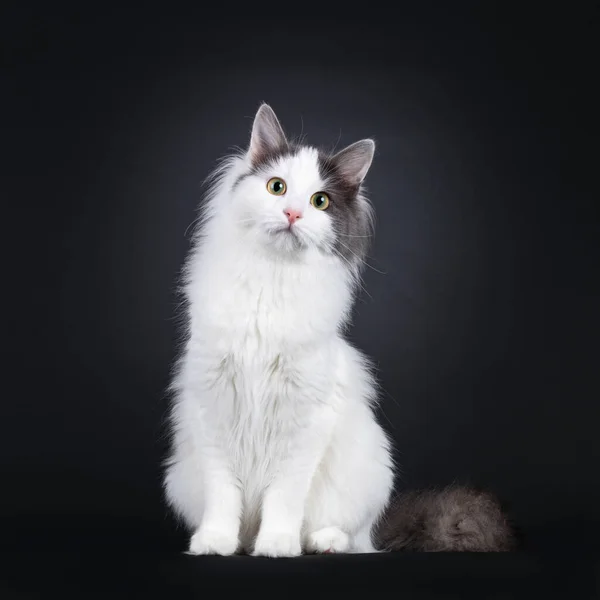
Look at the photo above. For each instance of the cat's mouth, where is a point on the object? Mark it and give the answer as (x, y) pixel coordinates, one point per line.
(286, 230)
(291, 230)
(287, 236)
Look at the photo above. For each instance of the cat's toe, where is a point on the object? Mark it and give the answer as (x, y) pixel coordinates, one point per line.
(277, 545)
(328, 540)
(210, 541)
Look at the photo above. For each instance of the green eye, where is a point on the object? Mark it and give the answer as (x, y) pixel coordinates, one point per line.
(276, 186)
(320, 200)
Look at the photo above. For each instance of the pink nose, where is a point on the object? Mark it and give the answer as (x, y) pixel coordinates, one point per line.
(292, 215)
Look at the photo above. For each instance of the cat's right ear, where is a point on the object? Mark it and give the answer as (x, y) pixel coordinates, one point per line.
(267, 135)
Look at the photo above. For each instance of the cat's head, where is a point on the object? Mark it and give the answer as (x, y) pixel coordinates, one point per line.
(293, 197)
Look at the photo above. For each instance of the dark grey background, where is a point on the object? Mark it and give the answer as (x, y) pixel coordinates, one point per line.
(484, 294)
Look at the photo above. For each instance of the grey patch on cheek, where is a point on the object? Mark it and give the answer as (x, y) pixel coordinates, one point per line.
(350, 213)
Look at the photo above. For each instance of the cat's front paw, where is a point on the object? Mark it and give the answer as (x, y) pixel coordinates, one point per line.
(212, 541)
(277, 545)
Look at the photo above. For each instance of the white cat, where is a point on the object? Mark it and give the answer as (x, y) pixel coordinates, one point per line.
(275, 447)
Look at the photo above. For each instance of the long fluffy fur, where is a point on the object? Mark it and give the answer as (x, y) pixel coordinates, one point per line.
(275, 448)
(453, 519)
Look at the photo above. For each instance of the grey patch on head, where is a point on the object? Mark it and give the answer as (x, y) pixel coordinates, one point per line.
(263, 160)
(350, 212)
(268, 142)
(268, 156)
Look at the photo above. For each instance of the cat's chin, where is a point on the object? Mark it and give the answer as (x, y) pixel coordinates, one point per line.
(284, 239)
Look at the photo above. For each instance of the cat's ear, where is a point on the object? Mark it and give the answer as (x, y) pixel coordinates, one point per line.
(267, 134)
(353, 162)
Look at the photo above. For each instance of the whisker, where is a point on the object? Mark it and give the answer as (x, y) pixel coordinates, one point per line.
(337, 142)
(364, 261)
(192, 224)
(357, 280)
(389, 395)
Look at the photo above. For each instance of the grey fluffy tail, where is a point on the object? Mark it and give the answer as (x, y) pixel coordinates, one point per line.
(453, 519)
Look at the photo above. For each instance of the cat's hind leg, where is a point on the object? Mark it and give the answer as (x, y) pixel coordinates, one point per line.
(350, 489)
(327, 540)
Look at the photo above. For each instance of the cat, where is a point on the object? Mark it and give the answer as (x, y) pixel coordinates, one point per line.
(276, 450)
(453, 519)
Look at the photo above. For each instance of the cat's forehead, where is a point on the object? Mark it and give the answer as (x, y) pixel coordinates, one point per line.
(299, 169)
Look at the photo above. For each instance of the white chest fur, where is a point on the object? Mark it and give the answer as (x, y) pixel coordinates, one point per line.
(263, 346)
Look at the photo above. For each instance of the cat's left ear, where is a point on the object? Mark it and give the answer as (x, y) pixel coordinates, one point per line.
(354, 161)
(267, 134)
